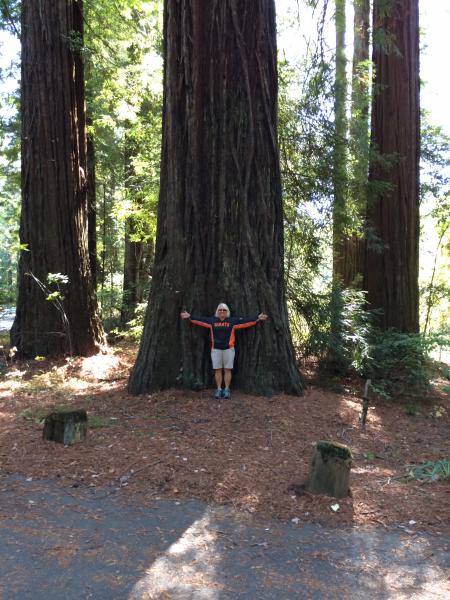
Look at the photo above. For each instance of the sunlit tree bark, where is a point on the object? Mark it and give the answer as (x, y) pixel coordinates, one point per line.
(391, 272)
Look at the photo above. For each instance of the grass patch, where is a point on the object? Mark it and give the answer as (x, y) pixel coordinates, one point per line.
(430, 471)
(99, 422)
(37, 414)
(411, 410)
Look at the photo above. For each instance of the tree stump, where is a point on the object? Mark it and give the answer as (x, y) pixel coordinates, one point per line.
(65, 427)
(330, 470)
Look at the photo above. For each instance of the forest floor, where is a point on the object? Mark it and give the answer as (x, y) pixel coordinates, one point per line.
(251, 453)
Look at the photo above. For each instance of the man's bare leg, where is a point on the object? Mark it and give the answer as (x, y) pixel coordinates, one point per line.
(227, 376)
(218, 377)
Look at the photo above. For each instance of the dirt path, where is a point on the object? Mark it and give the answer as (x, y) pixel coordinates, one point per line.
(59, 542)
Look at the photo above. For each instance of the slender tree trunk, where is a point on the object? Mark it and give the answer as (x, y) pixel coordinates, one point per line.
(137, 260)
(340, 148)
(92, 208)
(220, 222)
(392, 261)
(54, 192)
(138, 252)
(429, 304)
(354, 244)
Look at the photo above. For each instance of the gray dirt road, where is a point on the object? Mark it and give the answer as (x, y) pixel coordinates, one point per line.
(70, 544)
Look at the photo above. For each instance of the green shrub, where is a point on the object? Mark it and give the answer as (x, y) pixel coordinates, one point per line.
(399, 363)
(338, 329)
(411, 410)
(341, 334)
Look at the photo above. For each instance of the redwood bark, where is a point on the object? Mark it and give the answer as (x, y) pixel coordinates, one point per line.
(220, 222)
(391, 272)
(54, 191)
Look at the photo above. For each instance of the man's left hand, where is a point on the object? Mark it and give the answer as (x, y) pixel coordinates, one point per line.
(262, 317)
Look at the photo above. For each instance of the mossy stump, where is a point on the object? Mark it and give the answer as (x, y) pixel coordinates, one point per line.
(330, 470)
(66, 427)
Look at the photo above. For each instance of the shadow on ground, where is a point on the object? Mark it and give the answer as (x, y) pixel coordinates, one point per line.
(75, 543)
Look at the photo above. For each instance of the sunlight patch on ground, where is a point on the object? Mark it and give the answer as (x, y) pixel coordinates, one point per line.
(374, 469)
(6, 416)
(187, 567)
(100, 366)
(405, 587)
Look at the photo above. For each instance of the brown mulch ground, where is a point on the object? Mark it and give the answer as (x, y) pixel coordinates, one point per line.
(249, 452)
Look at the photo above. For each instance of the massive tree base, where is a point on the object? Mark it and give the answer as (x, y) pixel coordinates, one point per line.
(220, 214)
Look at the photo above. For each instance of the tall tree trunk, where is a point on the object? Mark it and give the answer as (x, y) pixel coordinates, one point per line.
(354, 244)
(220, 222)
(340, 148)
(391, 272)
(54, 192)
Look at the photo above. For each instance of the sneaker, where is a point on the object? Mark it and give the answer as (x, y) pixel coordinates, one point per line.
(217, 394)
(226, 394)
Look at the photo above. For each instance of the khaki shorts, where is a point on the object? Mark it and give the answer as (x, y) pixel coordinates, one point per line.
(222, 359)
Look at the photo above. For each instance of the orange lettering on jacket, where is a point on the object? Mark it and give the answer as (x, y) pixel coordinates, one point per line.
(221, 324)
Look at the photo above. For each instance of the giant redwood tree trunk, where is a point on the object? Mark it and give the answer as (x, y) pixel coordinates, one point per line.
(391, 273)
(54, 191)
(219, 235)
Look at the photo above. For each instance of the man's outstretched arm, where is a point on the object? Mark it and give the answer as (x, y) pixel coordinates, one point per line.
(197, 320)
(245, 322)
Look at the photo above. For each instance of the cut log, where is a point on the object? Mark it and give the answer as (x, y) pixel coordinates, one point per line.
(66, 427)
(330, 470)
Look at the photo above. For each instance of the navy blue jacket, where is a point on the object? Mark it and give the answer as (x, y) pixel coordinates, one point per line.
(223, 332)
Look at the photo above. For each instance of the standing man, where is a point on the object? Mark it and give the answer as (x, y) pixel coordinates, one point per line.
(222, 329)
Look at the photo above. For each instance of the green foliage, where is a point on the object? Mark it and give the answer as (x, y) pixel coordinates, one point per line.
(306, 143)
(9, 188)
(54, 296)
(339, 329)
(57, 278)
(430, 471)
(399, 363)
(110, 300)
(124, 99)
(10, 16)
(435, 221)
(411, 409)
(99, 422)
(135, 327)
(36, 414)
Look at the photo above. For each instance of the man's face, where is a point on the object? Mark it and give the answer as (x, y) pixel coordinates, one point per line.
(222, 312)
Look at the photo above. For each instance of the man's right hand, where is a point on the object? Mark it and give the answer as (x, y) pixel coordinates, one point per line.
(185, 315)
